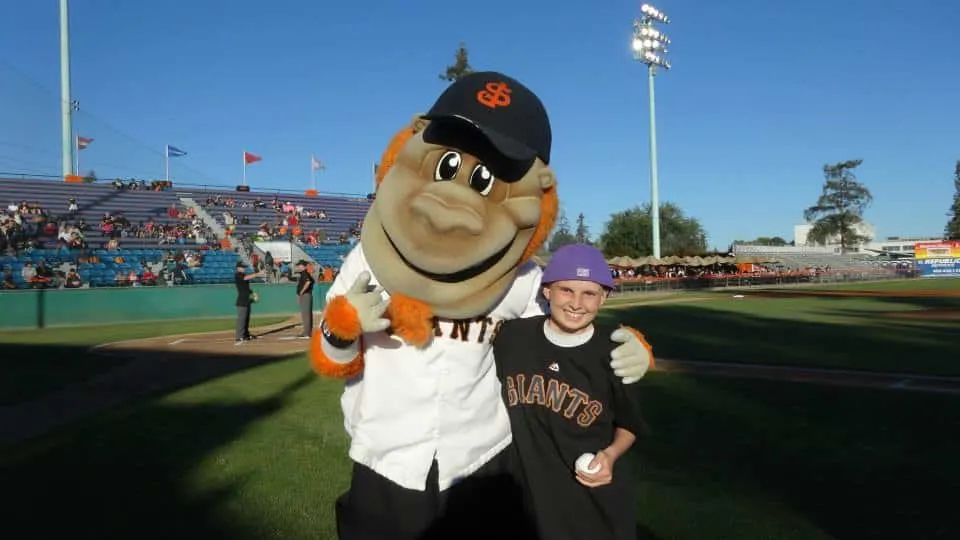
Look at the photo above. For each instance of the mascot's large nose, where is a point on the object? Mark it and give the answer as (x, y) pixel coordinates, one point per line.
(447, 207)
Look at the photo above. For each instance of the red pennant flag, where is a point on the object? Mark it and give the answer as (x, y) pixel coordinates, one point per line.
(83, 142)
(249, 158)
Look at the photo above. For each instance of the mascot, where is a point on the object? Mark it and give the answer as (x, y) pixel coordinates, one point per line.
(465, 196)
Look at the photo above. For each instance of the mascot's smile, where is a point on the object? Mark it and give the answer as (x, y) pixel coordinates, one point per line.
(461, 275)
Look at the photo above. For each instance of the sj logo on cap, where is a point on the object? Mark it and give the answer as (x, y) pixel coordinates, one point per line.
(495, 94)
(583, 272)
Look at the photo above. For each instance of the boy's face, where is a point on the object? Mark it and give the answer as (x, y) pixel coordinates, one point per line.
(574, 304)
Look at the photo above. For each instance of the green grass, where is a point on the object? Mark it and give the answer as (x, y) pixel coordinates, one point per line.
(925, 284)
(35, 362)
(644, 298)
(262, 454)
(834, 332)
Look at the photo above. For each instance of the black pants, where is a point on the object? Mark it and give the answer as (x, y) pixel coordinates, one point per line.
(486, 505)
(306, 313)
(243, 323)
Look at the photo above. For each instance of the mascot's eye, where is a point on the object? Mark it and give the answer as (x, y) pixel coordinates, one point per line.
(481, 180)
(448, 166)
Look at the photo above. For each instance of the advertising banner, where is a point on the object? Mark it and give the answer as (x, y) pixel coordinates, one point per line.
(938, 259)
(937, 250)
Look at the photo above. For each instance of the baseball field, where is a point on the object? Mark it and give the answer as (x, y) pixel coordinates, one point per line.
(802, 413)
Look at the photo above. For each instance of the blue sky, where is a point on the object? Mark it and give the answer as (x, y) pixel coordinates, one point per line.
(762, 95)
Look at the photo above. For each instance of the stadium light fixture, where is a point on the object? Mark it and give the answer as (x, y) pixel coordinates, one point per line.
(649, 47)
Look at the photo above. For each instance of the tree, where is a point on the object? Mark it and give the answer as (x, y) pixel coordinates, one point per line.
(562, 236)
(90, 177)
(763, 241)
(952, 230)
(630, 233)
(582, 235)
(840, 207)
(460, 67)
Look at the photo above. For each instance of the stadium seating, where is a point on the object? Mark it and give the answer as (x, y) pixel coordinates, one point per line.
(328, 255)
(112, 262)
(343, 213)
(218, 267)
(96, 199)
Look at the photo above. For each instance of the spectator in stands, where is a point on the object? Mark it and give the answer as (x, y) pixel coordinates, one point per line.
(269, 264)
(72, 205)
(148, 278)
(28, 273)
(43, 277)
(72, 280)
(305, 283)
(244, 302)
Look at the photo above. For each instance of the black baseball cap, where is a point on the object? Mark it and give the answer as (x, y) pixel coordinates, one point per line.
(241, 264)
(506, 113)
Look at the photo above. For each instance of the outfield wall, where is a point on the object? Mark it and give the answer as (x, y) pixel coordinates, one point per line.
(81, 307)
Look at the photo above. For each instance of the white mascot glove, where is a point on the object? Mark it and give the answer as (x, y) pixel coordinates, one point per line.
(630, 360)
(370, 304)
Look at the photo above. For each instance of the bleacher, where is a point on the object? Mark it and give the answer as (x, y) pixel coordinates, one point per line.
(95, 200)
(218, 267)
(328, 255)
(343, 213)
(823, 260)
(112, 262)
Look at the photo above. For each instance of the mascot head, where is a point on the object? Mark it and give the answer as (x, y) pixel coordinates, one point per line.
(465, 195)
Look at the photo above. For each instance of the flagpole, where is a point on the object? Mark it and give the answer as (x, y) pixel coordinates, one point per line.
(313, 173)
(166, 163)
(76, 155)
(244, 167)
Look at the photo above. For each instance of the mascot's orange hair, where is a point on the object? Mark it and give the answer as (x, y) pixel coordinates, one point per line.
(410, 318)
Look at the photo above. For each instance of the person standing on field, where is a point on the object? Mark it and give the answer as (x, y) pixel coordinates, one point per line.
(244, 300)
(305, 298)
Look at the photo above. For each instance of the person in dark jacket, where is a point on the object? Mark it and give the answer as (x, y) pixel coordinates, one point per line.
(242, 280)
(305, 283)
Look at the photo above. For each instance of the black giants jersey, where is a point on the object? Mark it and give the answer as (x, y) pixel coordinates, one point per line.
(564, 402)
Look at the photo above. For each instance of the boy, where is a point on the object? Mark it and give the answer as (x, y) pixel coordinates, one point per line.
(564, 402)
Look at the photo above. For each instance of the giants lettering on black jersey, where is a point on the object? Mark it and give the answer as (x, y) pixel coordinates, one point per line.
(553, 394)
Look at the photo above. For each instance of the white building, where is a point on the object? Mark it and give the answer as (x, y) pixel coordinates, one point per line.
(800, 233)
(890, 244)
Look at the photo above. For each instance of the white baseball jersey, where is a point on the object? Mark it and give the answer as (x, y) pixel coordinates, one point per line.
(412, 405)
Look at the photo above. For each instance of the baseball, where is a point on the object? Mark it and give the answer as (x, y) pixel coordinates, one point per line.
(583, 464)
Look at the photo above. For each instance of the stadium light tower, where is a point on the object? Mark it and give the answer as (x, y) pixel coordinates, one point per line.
(649, 44)
(66, 102)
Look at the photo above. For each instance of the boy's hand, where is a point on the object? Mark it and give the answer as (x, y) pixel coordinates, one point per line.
(600, 478)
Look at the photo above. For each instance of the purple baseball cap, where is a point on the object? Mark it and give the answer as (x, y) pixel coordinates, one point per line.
(578, 262)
